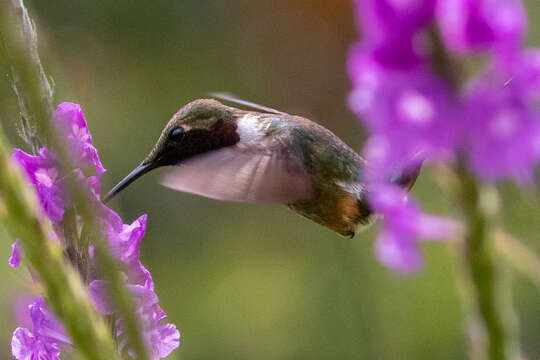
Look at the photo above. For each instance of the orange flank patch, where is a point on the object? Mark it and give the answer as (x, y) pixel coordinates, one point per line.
(345, 215)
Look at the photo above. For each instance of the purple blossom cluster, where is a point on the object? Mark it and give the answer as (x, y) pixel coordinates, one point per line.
(414, 104)
(47, 337)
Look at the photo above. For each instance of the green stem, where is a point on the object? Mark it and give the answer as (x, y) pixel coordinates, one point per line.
(518, 256)
(29, 82)
(65, 291)
(481, 265)
(19, 40)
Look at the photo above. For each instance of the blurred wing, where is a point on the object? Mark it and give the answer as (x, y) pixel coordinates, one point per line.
(237, 174)
(244, 103)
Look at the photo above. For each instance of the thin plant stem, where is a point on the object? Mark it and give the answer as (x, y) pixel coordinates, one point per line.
(65, 291)
(518, 256)
(19, 38)
(479, 261)
(481, 265)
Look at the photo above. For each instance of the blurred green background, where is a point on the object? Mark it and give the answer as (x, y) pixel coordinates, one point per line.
(247, 281)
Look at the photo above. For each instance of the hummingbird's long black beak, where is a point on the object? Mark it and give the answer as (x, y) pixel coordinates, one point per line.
(131, 177)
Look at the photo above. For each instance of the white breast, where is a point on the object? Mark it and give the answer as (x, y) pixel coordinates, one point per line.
(251, 129)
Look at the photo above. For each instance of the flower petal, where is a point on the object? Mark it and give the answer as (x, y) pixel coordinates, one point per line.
(70, 120)
(15, 258)
(480, 25)
(398, 252)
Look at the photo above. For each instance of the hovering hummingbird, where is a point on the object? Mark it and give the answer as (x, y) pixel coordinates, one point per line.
(262, 155)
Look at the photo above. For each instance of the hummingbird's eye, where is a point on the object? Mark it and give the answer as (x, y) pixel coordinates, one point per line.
(176, 134)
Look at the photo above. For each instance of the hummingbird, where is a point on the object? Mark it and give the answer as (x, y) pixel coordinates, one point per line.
(256, 154)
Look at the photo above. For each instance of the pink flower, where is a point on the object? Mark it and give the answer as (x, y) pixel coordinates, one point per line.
(406, 113)
(501, 126)
(43, 174)
(44, 340)
(70, 120)
(161, 339)
(480, 25)
(15, 258)
(403, 226)
(47, 335)
(414, 113)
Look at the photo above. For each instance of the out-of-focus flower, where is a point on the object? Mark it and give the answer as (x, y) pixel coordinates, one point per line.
(402, 95)
(502, 128)
(42, 170)
(44, 340)
(406, 113)
(520, 72)
(409, 113)
(20, 310)
(481, 25)
(390, 28)
(377, 18)
(15, 258)
(404, 225)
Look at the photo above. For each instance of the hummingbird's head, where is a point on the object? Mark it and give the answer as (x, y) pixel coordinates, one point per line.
(200, 126)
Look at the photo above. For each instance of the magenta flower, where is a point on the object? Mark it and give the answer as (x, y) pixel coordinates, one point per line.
(377, 18)
(124, 242)
(99, 292)
(125, 245)
(520, 71)
(161, 339)
(404, 225)
(481, 25)
(71, 122)
(407, 113)
(390, 27)
(44, 175)
(15, 258)
(42, 169)
(47, 335)
(44, 340)
(25, 345)
(398, 252)
(502, 128)
(412, 114)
